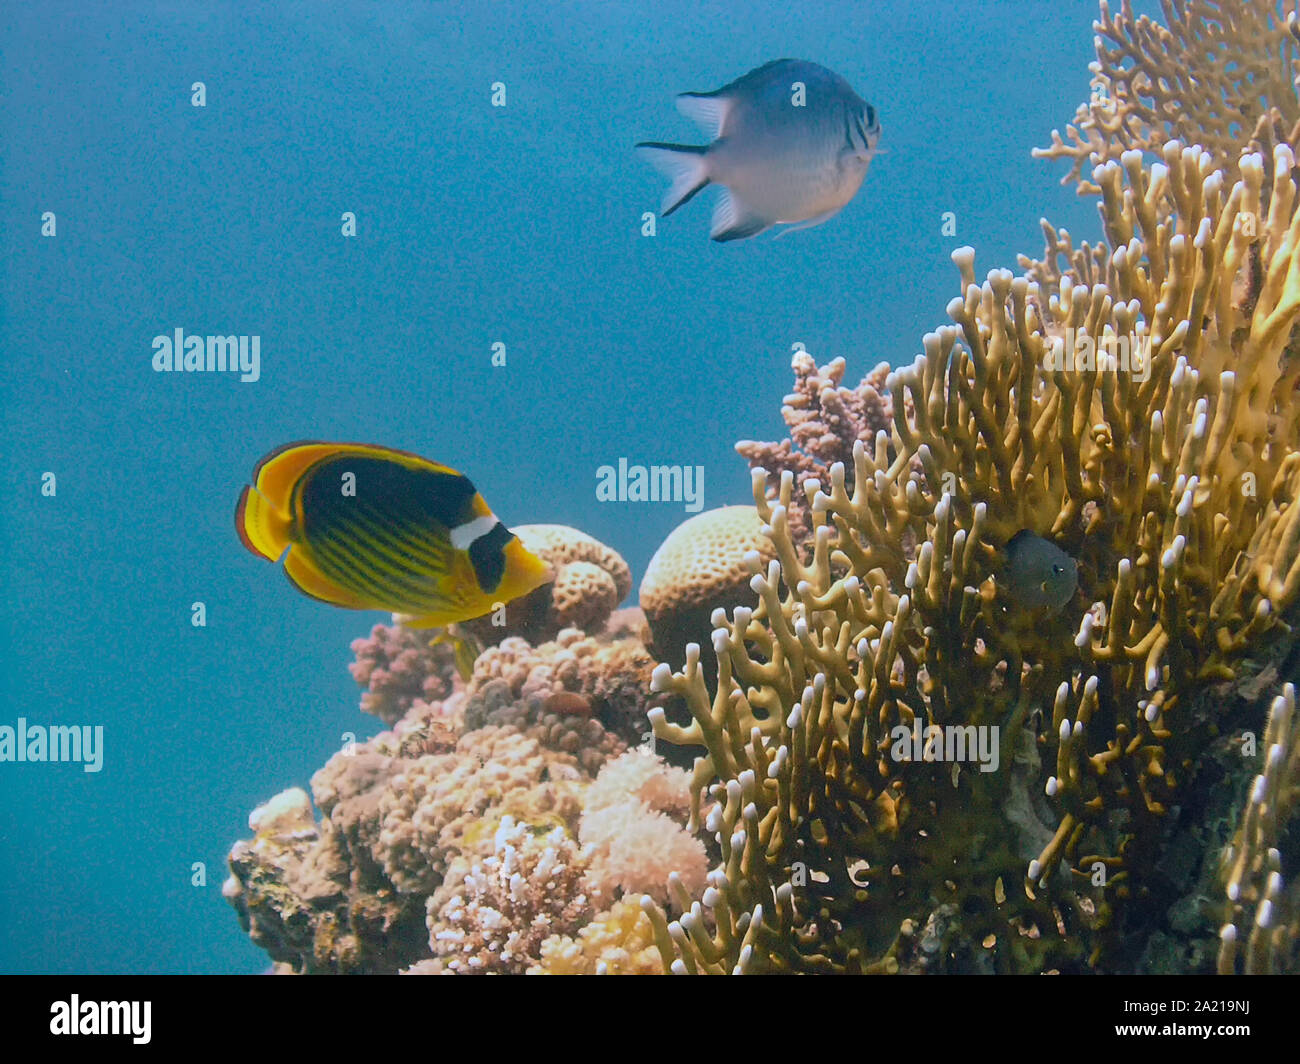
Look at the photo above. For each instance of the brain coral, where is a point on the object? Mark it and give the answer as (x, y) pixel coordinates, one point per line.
(697, 569)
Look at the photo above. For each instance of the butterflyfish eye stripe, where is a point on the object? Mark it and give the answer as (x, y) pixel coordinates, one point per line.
(487, 555)
(464, 536)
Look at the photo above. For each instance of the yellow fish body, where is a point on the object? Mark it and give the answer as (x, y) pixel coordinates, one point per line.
(373, 528)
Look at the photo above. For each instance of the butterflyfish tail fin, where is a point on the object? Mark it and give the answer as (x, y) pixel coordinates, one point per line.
(262, 528)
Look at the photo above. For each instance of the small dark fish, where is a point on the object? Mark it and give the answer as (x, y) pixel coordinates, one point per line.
(791, 144)
(1038, 574)
(370, 528)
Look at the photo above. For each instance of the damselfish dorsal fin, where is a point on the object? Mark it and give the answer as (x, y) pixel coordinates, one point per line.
(708, 110)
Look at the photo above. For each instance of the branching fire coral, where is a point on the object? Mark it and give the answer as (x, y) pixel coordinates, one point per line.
(1219, 75)
(1263, 907)
(1172, 476)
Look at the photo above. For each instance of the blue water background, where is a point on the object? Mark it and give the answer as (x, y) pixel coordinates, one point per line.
(476, 225)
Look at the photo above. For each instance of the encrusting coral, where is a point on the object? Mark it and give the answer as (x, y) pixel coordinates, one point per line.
(425, 829)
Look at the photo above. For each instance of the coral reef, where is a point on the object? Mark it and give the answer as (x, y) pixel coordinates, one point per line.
(449, 843)
(1136, 404)
(398, 667)
(1220, 75)
(697, 569)
(632, 829)
(620, 941)
(311, 895)
(590, 581)
(498, 911)
(825, 420)
(1172, 479)
(567, 681)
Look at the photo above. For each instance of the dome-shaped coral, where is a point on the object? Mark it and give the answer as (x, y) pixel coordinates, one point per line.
(698, 568)
(591, 579)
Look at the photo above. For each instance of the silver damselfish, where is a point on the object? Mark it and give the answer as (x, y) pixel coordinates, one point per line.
(791, 145)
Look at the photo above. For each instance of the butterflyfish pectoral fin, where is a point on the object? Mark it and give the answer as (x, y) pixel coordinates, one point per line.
(308, 579)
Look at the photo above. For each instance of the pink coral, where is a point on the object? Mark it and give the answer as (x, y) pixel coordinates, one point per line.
(634, 844)
(399, 668)
(825, 420)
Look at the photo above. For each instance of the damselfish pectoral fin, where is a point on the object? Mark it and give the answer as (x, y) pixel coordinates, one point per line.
(807, 223)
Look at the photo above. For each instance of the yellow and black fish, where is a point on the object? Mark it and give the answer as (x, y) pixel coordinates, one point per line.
(373, 528)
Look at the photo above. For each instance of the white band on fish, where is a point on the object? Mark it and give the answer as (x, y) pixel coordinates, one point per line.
(463, 536)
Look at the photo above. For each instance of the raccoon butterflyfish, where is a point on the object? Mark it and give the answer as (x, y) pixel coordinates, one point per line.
(373, 528)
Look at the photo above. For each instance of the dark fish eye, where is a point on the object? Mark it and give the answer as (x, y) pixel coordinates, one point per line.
(871, 116)
(1058, 569)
